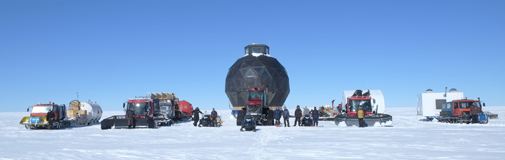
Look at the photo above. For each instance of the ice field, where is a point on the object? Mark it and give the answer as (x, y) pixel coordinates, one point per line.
(409, 138)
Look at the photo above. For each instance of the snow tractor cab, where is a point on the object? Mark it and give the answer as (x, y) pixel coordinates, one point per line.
(372, 103)
(156, 109)
(257, 108)
(458, 111)
(37, 119)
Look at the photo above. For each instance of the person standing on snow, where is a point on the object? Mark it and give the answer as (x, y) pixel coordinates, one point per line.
(277, 117)
(474, 112)
(285, 115)
(196, 116)
(50, 119)
(131, 119)
(361, 115)
(298, 115)
(213, 117)
(315, 117)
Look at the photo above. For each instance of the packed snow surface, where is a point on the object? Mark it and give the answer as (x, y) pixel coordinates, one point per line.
(409, 138)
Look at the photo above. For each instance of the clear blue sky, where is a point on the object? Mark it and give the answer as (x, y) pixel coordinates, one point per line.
(110, 51)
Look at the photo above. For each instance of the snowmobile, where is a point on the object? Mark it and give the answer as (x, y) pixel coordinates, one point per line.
(307, 121)
(206, 122)
(248, 124)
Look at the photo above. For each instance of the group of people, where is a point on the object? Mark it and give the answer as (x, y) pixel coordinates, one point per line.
(298, 116)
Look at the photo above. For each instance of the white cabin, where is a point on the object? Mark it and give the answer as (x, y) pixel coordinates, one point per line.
(430, 104)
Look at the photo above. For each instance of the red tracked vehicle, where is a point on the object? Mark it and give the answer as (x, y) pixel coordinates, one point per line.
(156, 109)
(372, 103)
(458, 111)
(257, 108)
(37, 119)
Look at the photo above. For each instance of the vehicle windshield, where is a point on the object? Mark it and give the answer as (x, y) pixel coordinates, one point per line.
(41, 109)
(468, 104)
(255, 94)
(365, 104)
(253, 110)
(138, 108)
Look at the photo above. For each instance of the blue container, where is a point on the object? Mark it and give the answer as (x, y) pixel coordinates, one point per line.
(483, 118)
(35, 120)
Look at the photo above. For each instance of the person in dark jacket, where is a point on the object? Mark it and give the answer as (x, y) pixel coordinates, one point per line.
(298, 115)
(361, 115)
(196, 116)
(213, 117)
(315, 117)
(50, 119)
(277, 116)
(474, 112)
(130, 117)
(285, 115)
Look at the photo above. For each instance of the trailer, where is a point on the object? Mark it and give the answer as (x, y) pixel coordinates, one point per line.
(430, 103)
(84, 113)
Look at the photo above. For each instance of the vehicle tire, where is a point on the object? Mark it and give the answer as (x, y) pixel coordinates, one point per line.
(150, 123)
(106, 127)
(270, 118)
(240, 117)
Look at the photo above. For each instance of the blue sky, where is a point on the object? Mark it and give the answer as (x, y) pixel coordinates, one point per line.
(110, 51)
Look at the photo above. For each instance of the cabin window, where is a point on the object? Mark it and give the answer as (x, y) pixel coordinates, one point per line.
(249, 73)
(448, 105)
(439, 103)
(266, 51)
(265, 73)
(257, 50)
(257, 70)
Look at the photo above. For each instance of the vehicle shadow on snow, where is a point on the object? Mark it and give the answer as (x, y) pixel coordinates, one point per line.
(251, 130)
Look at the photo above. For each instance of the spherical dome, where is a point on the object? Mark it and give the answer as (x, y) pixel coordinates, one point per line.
(257, 71)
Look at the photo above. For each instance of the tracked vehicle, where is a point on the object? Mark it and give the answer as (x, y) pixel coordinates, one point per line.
(257, 108)
(372, 103)
(458, 111)
(156, 109)
(37, 118)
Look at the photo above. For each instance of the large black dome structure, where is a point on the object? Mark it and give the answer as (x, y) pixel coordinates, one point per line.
(257, 69)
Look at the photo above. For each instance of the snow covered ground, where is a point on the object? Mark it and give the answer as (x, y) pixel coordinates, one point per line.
(409, 138)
